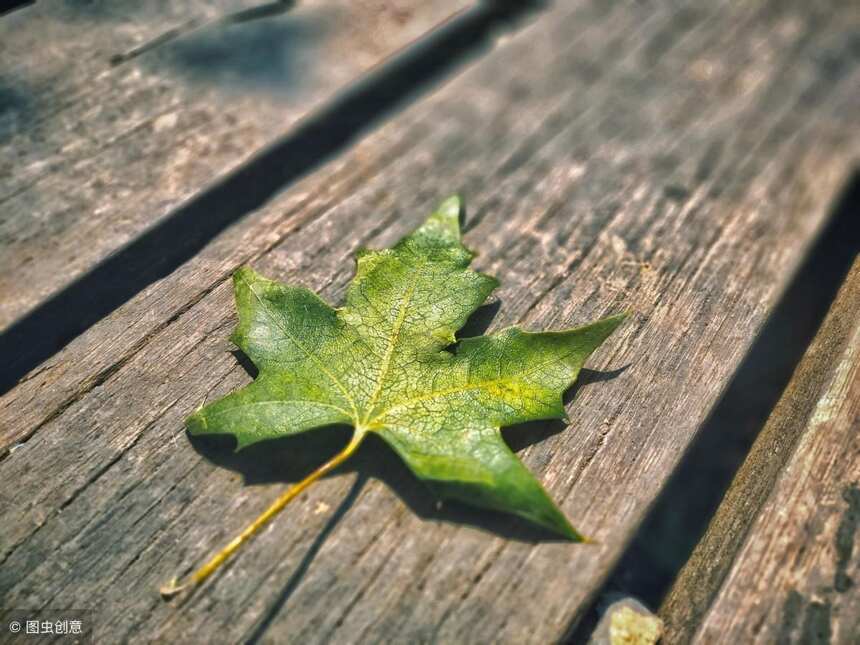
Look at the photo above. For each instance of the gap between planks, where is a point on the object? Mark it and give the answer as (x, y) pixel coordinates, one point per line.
(781, 545)
(695, 282)
(117, 272)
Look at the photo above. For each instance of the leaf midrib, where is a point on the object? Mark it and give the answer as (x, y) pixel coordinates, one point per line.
(392, 343)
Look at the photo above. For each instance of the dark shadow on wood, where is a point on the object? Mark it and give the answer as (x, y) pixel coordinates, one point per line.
(7, 6)
(163, 248)
(299, 574)
(521, 436)
(16, 110)
(480, 320)
(681, 514)
(245, 363)
(587, 377)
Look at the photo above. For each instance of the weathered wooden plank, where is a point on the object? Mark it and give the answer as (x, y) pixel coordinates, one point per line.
(674, 163)
(119, 112)
(779, 561)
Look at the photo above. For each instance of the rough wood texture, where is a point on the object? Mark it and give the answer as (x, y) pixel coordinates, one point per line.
(779, 561)
(676, 161)
(94, 149)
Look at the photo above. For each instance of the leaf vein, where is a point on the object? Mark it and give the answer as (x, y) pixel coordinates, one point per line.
(466, 387)
(309, 354)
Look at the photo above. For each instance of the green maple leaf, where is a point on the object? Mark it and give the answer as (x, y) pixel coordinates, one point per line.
(380, 364)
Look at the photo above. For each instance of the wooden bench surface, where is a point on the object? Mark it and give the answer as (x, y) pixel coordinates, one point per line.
(676, 161)
(779, 562)
(162, 100)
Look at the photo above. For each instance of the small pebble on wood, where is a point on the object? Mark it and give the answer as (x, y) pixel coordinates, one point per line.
(627, 622)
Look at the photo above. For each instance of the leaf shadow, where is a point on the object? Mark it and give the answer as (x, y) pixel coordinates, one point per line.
(17, 111)
(480, 320)
(245, 363)
(290, 459)
(292, 584)
(587, 377)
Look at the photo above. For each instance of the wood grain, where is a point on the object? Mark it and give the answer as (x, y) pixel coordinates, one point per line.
(779, 561)
(677, 162)
(118, 112)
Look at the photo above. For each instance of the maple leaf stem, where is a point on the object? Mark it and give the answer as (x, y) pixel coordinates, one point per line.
(173, 587)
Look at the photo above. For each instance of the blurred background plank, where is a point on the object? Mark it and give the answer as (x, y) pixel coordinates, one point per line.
(674, 161)
(779, 561)
(114, 113)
